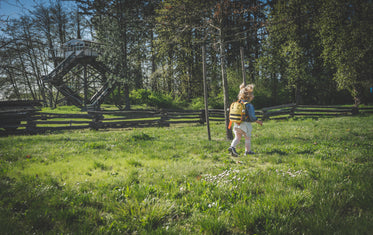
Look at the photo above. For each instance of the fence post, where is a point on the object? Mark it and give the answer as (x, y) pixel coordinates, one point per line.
(355, 110)
(30, 123)
(164, 118)
(96, 120)
(202, 116)
(292, 110)
(265, 115)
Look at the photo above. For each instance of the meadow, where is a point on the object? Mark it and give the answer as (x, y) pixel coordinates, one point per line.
(311, 176)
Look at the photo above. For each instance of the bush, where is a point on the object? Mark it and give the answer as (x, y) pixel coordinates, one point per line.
(197, 103)
(154, 99)
(160, 100)
(216, 102)
(140, 96)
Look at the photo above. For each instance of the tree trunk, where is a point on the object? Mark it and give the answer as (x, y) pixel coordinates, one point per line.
(153, 82)
(357, 95)
(127, 97)
(243, 65)
(298, 96)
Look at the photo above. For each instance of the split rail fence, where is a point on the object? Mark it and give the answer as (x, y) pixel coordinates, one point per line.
(26, 118)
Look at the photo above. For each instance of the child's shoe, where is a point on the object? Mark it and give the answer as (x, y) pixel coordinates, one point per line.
(249, 153)
(233, 151)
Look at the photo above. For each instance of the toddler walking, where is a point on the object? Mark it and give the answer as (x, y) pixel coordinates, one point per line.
(245, 95)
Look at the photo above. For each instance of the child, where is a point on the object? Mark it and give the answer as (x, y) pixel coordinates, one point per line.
(245, 128)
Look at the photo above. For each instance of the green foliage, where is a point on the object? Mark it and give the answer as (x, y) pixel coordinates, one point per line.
(160, 100)
(197, 103)
(140, 96)
(215, 102)
(345, 31)
(314, 41)
(312, 177)
(155, 99)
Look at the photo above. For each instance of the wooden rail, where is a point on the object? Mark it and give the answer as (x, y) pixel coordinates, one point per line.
(26, 118)
(18, 114)
(125, 119)
(293, 110)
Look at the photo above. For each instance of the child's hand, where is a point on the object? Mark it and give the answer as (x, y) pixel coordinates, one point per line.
(259, 122)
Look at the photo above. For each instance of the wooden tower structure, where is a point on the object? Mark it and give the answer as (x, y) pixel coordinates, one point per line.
(80, 78)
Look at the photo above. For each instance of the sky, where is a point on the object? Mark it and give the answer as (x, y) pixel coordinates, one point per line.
(16, 8)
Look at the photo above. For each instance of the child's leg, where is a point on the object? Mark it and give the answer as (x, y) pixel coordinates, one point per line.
(237, 137)
(247, 144)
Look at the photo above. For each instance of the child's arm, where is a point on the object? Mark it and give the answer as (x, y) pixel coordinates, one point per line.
(251, 112)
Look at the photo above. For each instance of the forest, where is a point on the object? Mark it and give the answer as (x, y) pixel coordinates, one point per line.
(294, 51)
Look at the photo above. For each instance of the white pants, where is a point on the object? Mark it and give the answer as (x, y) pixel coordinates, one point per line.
(243, 129)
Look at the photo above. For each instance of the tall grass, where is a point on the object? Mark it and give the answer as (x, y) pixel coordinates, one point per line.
(308, 177)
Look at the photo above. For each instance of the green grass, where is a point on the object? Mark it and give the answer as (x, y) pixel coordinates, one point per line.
(308, 177)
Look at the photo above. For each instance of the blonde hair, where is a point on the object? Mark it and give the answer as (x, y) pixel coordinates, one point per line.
(246, 92)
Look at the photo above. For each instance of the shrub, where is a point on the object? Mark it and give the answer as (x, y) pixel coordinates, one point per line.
(160, 100)
(155, 99)
(140, 96)
(197, 103)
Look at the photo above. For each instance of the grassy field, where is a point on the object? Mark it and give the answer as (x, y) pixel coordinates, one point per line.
(308, 177)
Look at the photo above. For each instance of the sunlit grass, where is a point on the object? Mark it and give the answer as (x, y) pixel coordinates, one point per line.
(308, 176)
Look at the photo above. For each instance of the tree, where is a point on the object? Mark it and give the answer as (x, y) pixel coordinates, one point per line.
(120, 27)
(346, 32)
(180, 31)
(28, 44)
(292, 52)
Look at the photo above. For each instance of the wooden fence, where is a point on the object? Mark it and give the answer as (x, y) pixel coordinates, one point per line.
(310, 111)
(24, 118)
(15, 115)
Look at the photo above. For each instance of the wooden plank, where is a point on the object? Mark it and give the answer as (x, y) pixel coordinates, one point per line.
(216, 111)
(179, 111)
(61, 128)
(184, 117)
(216, 115)
(18, 110)
(56, 115)
(173, 122)
(323, 110)
(366, 108)
(130, 122)
(124, 112)
(12, 103)
(279, 106)
(277, 113)
(60, 122)
(326, 106)
(184, 114)
(322, 114)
